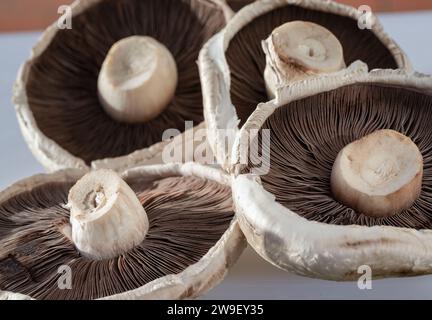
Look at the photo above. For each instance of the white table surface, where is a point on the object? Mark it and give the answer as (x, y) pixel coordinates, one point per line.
(251, 277)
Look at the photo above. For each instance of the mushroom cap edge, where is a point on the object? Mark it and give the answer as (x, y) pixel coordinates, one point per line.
(195, 279)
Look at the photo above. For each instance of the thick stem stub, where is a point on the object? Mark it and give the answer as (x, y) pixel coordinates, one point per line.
(106, 216)
(379, 175)
(137, 80)
(297, 50)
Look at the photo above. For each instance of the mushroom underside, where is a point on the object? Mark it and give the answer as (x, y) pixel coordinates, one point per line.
(62, 82)
(246, 58)
(236, 5)
(187, 216)
(307, 135)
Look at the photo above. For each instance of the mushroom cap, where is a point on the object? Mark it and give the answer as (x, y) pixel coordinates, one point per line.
(193, 280)
(40, 129)
(227, 69)
(287, 235)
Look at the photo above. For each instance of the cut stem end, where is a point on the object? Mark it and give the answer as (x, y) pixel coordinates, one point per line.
(137, 80)
(379, 175)
(297, 50)
(106, 216)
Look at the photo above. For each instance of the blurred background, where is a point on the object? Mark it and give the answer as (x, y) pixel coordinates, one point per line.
(38, 14)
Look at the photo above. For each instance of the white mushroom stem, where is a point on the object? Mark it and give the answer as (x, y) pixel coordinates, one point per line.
(137, 80)
(379, 175)
(106, 216)
(297, 50)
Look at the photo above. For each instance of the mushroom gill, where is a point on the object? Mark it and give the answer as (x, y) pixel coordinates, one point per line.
(236, 5)
(247, 61)
(187, 216)
(62, 86)
(307, 135)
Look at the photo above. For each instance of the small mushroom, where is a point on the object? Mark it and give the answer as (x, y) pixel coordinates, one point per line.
(163, 231)
(110, 87)
(236, 73)
(347, 180)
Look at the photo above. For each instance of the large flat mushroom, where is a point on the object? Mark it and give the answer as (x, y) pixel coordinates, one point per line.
(103, 93)
(152, 232)
(347, 179)
(235, 69)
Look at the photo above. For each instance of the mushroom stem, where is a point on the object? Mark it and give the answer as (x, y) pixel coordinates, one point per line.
(137, 80)
(106, 216)
(379, 175)
(297, 50)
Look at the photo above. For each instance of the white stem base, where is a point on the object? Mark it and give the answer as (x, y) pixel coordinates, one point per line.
(137, 80)
(297, 50)
(106, 216)
(378, 175)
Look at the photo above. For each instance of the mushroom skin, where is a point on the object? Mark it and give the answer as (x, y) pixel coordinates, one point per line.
(221, 89)
(193, 281)
(317, 249)
(5, 295)
(330, 252)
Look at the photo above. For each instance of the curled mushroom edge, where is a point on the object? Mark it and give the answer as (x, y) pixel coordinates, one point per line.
(316, 249)
(193, 281)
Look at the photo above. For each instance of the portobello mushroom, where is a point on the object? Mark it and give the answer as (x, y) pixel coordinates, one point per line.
(347, 177)
(109, 87)
(233, 63)
(152, 232)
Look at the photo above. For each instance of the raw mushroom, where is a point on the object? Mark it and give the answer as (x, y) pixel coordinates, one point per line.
(103, 93)
(348, 178)
(232, 64)
(155, 232)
